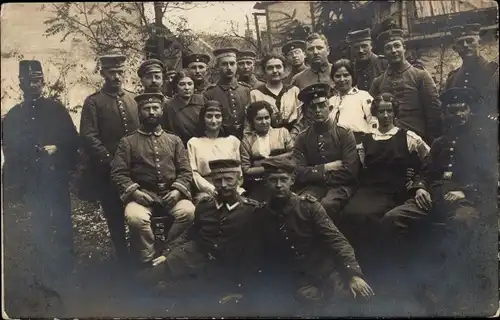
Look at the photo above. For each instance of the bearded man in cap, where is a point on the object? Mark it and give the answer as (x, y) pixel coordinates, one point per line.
(294, 52)
(40, 146)
(197, 64)
(419, 106)
(367, 65)
(107, 116)
(232, 94)
(246, 67)
(152, 173)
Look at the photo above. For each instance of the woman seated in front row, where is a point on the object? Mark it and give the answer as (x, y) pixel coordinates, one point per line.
(211, 143)
(261, 142)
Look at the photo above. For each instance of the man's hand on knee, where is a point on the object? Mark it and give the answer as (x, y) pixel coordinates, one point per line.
(159, 260)
(142, 198)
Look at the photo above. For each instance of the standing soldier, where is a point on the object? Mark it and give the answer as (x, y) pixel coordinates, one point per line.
(197, 64)
(419, 106)
(367, 65)
(294, 51)
(246, 66)
(40, 145)
(168, 90)
(151, 74)
(107, 116)
(232, 94)
(317, 51)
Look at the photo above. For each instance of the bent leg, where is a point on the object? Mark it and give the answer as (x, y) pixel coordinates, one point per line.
(183, 212)
(138, 218)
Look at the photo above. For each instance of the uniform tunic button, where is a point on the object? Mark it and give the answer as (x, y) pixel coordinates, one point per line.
(157, 165)
(159, 172)
(451, 149)
(157, 160)
(293, 247)
(216, 246)
(33, 118)
(450, 165)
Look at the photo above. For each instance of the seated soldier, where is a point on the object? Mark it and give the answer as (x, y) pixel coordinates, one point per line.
(153, 176)
(325, 153)
(217, 245)
(457, 188)
(301, 238)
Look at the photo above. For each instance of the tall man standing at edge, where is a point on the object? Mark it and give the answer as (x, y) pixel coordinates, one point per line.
(294, 52)
(107, 116)
(419, 105)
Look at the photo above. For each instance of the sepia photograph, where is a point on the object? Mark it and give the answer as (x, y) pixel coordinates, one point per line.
(242, 159)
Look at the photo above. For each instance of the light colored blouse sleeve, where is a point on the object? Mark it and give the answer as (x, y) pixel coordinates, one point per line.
(417, 144)
(201, 183)
(366, 102)
(236, 150)
(287, 140)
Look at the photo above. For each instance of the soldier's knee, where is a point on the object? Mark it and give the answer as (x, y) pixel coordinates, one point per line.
(137, 216)
(309, 294)
(184, 211)
(464, 217)
(391, 222)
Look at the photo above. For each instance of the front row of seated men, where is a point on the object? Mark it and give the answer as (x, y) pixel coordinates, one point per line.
(240, 239)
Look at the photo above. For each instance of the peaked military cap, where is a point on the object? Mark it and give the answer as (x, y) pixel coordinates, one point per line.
(315, 93)
(224, 165)
(195, 57)
(30, 69)
(459, 95)
(170, 72)
(149, 66)
(279, 165)
(246, 55)
(391, 35)
(149, 97)
(292, 45)
(467, 30)
(112, 61)
(358, 36)
(225, 52)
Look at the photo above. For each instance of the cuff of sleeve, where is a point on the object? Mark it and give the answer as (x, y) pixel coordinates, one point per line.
(128, 192)
(353, 269)
(416, 185)
(182, 189)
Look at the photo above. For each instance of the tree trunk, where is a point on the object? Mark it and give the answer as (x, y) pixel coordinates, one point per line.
(160, 32)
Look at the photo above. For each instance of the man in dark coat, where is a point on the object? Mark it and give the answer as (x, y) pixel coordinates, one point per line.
(197, 64)
(301, 237)
(107, 116)
(294, 52)
(367, 65)
(419, 106)
(151, 74)
(40, 146)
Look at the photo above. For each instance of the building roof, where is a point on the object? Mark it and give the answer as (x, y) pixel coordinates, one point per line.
(262, 5)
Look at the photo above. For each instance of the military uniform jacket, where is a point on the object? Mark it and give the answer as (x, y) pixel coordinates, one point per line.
(368, 70)
(301, 228)
(202, 86)
(289, 77)
(29, 126)
(310, 76)
(318, 145)
(419, 106)
(234, 98)
(106, 118)
(253, 82)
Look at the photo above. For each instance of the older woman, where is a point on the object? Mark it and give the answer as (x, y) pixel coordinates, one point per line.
(210, 143)
(351, 106)
(181, 113)
(282, 98)
(260, 143)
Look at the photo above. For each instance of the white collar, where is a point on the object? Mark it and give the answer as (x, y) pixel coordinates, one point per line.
(391, 132)
(229, 207)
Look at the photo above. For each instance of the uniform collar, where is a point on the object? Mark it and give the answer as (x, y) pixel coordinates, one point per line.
(323, 69)
(113, 94)
(156, 133)
(289, 204)
(228, 206)
(323, 127)
(400, 69)
(233, 85)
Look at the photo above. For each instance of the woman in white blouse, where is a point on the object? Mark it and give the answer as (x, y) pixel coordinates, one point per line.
(282, 98)
(211, 144)
(351, 106)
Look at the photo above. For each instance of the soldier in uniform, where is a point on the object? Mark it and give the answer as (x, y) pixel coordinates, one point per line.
(218, 244)
(107, 116)
(246, 66)
(419, 106)
(317, 51)
(197, 64)
(167, 83)
(294, 51)
(151, 74)
(367, 65)
(457, 188)
(40, 146)
(298, 234)
(233, 95)
(325, 153)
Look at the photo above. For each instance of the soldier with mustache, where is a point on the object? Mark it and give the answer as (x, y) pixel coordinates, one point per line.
(246, 66)
(151, 74)
(197, 64)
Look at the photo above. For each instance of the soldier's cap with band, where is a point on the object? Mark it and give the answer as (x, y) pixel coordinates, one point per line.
(279, 165)
(246, 55)
(30, 69)
(149, 97)
(292, 45)
(112, 61)
(315, 93)
(359, 36)
(224, 165)
(170, 72)
(195, 57)
(150, 66)
(468, 30)
(459, 95)
(225, 52)
(391, 35)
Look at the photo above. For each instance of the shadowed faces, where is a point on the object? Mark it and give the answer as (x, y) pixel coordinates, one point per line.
(395, 51)
(185, 87)
(343, 80)
(385, 114)
(152, 81)
(457, 114)
(262, 121)
(296, 57)
(150, 114)
(246, 67)
(361, 51)
(32, 86)
(467, 46)
(317, 51)
(227, 67)
(198, 71)
(279, 184)
(274, 70)
(226, 184)
(113, 77)
(319, 112)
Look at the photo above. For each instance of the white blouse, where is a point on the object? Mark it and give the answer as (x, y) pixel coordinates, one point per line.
(354, 108)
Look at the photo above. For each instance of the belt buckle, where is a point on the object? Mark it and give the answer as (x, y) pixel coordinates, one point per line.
(162, 186)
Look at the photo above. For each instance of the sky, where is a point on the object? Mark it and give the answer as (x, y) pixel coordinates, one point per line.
(214, 16)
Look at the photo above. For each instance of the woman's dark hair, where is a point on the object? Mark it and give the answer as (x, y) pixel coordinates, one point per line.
(254, 108)
(179, 75)
(348, 66)
(269, 56)
(387, 97)
(200, 127)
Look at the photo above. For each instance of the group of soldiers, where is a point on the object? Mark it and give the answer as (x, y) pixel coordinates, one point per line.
(137, 169)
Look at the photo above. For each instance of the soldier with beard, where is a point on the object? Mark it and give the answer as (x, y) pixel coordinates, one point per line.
(246, 66)
(197, 64)
(151, 74)
(294, 51)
